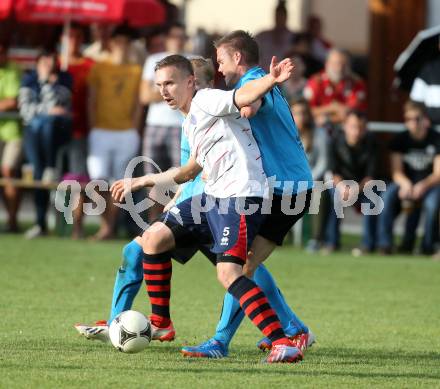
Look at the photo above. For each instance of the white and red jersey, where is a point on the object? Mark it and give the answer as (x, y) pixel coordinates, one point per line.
(222, 143)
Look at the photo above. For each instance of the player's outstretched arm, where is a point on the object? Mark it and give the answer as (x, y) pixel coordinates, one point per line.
(256, 89)
(169, 178)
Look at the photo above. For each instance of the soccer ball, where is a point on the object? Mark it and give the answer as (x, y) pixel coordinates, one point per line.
(130, 332)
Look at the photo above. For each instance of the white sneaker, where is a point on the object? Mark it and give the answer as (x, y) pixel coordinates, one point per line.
(34, 232)
(49, 175)
(97, 332)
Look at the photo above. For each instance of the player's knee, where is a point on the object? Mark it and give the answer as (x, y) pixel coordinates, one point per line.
(157, 240)
(152, 244)
(144, 238)
(224, 278)
(228, 274)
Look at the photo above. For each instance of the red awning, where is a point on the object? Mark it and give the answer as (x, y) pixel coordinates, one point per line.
(137, 13)
(5, 8)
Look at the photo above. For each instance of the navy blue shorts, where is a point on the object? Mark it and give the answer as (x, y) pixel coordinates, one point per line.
(187, 244)
(229, 225)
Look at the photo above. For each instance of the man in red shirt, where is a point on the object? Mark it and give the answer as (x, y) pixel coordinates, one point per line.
(79, 68)
(335, 90)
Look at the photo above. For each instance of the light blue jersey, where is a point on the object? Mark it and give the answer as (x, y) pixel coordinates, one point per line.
(277, 136)
(194, 187)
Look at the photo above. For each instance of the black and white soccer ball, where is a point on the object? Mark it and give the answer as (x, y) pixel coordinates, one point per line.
(130, 332)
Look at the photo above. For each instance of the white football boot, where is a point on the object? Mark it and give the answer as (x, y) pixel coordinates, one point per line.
(99, 331)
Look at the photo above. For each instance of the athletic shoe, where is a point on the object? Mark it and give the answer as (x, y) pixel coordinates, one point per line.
(163, 334)
(313, 246)
(97, 332)
(209, 349)
(361, 251)
(281, 353)
(49, 176)
(302, 341)
(34, 232)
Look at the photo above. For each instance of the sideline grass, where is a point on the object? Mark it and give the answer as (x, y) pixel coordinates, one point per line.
(376, 319)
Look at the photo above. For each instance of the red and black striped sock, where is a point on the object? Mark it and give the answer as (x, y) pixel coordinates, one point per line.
(157, 276)
(256, 306)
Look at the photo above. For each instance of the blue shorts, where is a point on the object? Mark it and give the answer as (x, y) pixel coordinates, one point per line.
(229, 225)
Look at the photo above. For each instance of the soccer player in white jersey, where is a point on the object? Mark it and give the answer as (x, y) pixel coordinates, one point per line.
(130, 275)
(229, 212)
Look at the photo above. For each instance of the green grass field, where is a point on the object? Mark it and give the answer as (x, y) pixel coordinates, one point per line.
(377, 321)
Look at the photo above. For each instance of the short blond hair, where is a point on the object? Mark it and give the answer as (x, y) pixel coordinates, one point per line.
(207, 67)
(411, 105)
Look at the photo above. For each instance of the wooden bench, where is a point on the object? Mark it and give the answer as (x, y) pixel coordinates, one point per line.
(61, 227)
(28, 184)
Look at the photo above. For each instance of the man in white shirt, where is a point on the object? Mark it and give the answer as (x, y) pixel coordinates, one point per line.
(161, 141)
(229, 213)
(426, 88)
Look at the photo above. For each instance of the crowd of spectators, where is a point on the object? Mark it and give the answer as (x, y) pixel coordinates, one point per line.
(103, 109)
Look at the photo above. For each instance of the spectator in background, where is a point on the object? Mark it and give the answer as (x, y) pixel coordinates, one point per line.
(293, 88)
(201, 43)
(353, 156)
(302, 47)
(276, 41)
(79, 68)
(45, 106)
(113, 116)
(426, 89)
(316, 144)
(10, 134)
(415, 168)
(319, 45)
(155, 41)
(163, 125)
(99, 50)
(336, 90)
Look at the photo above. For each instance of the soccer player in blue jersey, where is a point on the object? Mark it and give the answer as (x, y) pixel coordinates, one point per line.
(130, 274)
(230, 211)
(284, 159)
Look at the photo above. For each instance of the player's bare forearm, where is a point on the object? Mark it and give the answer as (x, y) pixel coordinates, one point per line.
(173, 176)
(165, 179)
(254, 90)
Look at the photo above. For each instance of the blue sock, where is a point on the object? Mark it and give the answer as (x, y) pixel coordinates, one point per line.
(291, 324)
(128, 279)
(230, 319)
